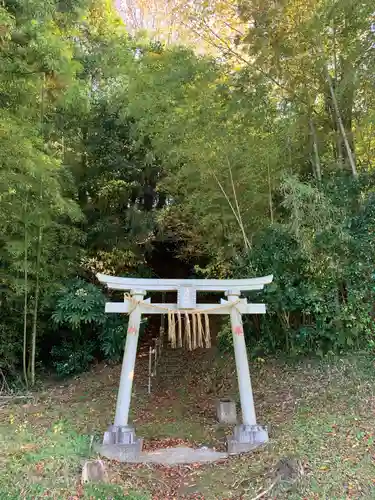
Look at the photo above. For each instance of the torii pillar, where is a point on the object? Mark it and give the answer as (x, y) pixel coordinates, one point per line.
(120, 439)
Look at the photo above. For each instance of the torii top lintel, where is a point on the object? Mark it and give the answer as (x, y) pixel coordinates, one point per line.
(167, 285)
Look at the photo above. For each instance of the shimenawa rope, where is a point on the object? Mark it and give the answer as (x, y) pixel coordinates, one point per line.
(197, 334)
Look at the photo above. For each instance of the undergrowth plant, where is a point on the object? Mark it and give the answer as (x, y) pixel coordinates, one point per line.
(87, 332)
(321, 298)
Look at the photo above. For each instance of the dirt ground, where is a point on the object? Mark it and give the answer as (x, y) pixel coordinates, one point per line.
(320, 413)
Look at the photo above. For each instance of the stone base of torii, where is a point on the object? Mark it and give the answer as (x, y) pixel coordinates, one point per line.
(120, 440)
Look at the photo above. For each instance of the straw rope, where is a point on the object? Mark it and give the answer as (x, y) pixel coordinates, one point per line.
(197, 332)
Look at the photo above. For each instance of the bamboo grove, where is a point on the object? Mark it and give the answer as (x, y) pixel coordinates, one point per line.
(239, 133)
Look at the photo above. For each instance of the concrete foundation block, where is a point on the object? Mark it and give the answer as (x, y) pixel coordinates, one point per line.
(168, 456)
(121, 452)
(246, 438)
(124, 434)
(120, 443)
(226, 411)
(110, 435)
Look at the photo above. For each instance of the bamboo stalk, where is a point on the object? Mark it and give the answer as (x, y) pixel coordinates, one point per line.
(318, 171)
(24, 354)
(36, 305)
(247, 243)
(39, 251)
(270, 191)
(245, 238)
(339, 117)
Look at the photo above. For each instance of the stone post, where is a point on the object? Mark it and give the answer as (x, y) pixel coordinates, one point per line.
(128, 363)
(242, 363)
(248, 435)
(121, 434)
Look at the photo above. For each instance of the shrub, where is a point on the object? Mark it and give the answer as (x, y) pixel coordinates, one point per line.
(71, 359)
(87, 331)
(79, 304)
(321, 299)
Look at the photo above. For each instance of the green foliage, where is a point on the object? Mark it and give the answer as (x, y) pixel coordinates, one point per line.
(115, 492)
(110, 144)
(10, 347)
(200, 106)
(79, 304)
(71, 358)
(322, 295)
(56, 447)
(225, 338)
(79, 312)
(112, 337)
(87, 331)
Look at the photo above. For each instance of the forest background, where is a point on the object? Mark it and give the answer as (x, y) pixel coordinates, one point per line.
(234, 138)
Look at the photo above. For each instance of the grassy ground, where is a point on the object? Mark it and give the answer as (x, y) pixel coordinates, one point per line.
(321, 413)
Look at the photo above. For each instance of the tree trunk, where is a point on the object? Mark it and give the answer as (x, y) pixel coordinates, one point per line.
(318, 171)
(36, 305)
(25, 306)
(347, 101)
(38, 252)
(270, 192)
(343, 132)
(82, 190)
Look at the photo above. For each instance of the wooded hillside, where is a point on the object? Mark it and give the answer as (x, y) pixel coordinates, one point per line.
(247, 151)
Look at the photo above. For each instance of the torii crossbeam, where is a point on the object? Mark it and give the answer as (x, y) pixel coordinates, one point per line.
(247, 435)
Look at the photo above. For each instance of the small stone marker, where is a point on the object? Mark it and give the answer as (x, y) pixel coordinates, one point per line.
(93, 471)
(226, 411)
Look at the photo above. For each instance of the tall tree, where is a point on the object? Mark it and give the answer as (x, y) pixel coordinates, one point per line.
(318, 55)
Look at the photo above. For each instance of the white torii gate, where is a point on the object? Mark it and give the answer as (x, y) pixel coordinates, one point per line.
(247, 435)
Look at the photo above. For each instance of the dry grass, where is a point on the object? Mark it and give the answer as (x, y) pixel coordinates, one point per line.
(320, 412)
